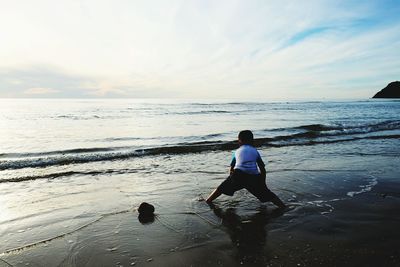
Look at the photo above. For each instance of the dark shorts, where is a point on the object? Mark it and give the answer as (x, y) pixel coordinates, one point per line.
(255, 184)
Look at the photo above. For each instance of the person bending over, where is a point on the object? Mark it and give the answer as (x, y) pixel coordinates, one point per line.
(245, 174)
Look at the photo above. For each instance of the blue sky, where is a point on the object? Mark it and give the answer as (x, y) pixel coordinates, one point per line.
(199, 49)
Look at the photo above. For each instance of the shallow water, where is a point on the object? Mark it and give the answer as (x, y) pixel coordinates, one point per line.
(336, 164)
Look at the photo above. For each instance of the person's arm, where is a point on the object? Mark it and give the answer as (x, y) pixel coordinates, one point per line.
(233, 163)
(261, 166)
(263, 171)
(231, 169)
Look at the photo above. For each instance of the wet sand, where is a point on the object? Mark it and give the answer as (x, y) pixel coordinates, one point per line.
(344, 211)
(266, 238)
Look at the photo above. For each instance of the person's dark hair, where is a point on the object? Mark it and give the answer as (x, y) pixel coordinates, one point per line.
(246, 137)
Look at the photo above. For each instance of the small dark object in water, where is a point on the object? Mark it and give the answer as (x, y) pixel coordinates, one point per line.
(146, 219)
(146, 209)
(146, 213)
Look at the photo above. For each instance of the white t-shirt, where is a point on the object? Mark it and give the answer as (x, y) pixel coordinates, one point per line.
(246, 158)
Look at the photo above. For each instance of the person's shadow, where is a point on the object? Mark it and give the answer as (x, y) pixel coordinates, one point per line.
(248, 233)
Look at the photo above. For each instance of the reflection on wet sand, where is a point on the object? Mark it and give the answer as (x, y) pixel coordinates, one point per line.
(248, 233)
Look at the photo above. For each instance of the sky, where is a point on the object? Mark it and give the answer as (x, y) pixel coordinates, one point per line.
(189, 49)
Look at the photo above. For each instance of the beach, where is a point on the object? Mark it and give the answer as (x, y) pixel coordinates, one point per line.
(72, 175)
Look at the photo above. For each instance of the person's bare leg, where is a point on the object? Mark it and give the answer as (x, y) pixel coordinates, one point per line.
(278, 202)
(213, 195)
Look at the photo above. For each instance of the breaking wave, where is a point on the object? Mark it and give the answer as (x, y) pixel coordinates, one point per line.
(303, 135)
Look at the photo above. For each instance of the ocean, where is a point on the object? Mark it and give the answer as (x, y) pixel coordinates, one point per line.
(72, 172)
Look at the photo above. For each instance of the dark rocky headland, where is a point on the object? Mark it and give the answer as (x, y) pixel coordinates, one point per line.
(392, 90)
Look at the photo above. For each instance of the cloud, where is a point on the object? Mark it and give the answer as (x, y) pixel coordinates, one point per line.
(192, 49)
(49, 81)
(41, 81)
(40, 91)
